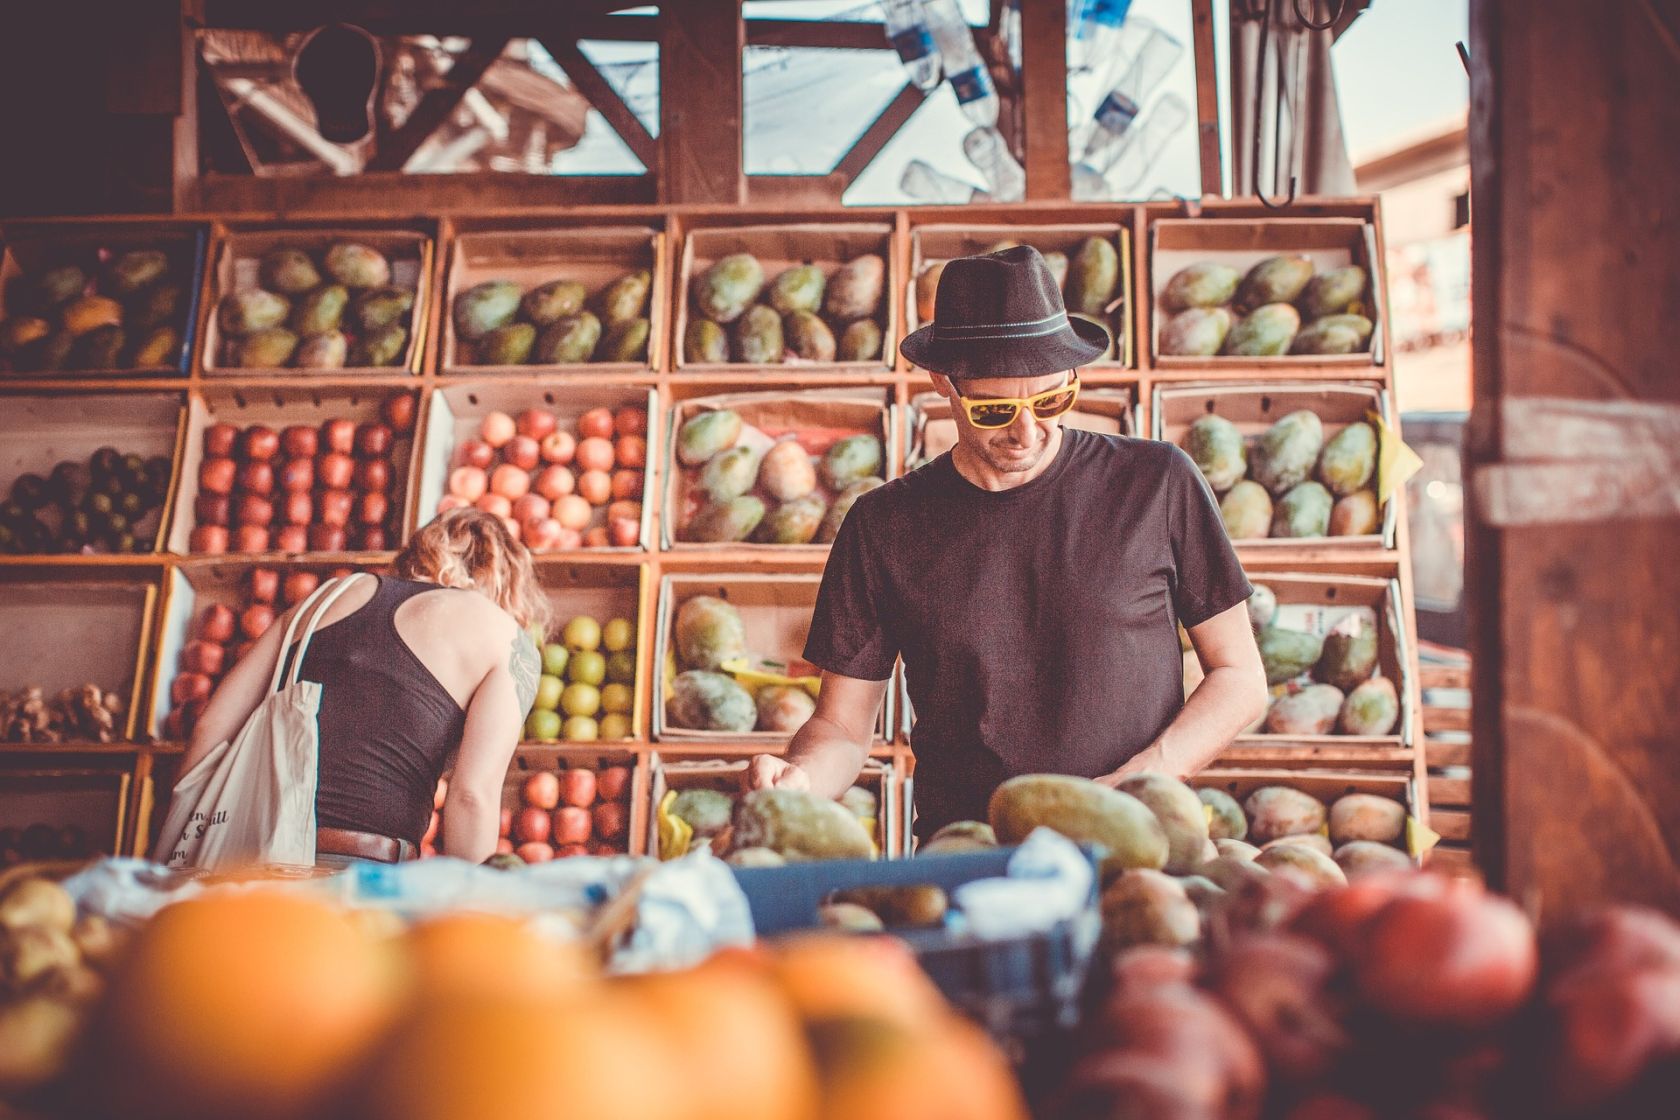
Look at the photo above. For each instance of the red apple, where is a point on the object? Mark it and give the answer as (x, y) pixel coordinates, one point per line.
(262, 585)
(522, 452)
(468, 483)
(375, 539)
(602, 848)
(630, 451)
(531, 824)
(257, 477)
(537, 851)
(254, 512)
(373, 474)
(629, 510)
(543, 535)
(596, 537)
(297, 476)
(595, 454)
(624, 533)
(504, 846)
(577, 787)
(217, 622)
(505, 823)
(627, 484)
(174, 726)
(536, 423)
(211, 509)
(210, 539)
(572, 825)
(558, 447)
(570, 540)
(451, 501)
(630, 421)
(398, 410)
(595, 487)
(475, 453)
(496, 429)
(612, 820)
(571, 851)
(513, 528)
(251, 538)
(300, 441)
(219, 440)
(188, 687)
(597, 423)
(542, 790)
(509, 481)
(216, 476)
(495, 504)
(335, 471)
(555, 482)
(200, 656)
(326, 538)
(343, 571)
(256, 620)
(298, 508)
(259, 442)
(530, 507)
(298, 586)
(373, 440)
(339, 436)
(292, 538)
(335, 507)
(372, 508)
(613, 783)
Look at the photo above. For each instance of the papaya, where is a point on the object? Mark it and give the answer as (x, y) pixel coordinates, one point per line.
(321, 310)
(1349, 655)
(1373, 708)
(706, 811)
(507, 345)
(484, 307)
(727, 522)
(1266, 332)
(799, 288)
(569, 340)
(380, 307)
(786, 472)
(794, 522)
(1366, 816)
(625, 299)
(1262, 607)
(1084, 812)
(546, 304)
(799, 826)
(1180, 814)
(1197, 332)
(1308, 865)
(1333, 334)
(129, 272)
(327, 350)
(1093, 276)
(808, 337)
(1145, 907)
(357, 266)
(289, 272)
(1278, 811)
(628, 342)
(860, 342)
(850, 460)
(705, 341)
(1365, 857)
(729, 474)
(1226, 820)
(1356, 515)
(784, 708)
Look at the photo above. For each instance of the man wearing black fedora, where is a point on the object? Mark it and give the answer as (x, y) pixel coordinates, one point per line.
(1033, 578)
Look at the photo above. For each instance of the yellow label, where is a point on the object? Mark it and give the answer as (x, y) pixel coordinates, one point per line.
(1207, 811)
(1395, 461)
(1419, 838)
(675, 834)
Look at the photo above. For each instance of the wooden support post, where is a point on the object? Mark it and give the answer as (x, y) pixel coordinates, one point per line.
(1207, 97)
(1044, 97)
(1572, 585)
(884, 127)
(701, 120)
(603, 98)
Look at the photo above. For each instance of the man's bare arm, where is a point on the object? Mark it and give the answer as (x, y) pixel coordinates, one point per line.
(827, 753)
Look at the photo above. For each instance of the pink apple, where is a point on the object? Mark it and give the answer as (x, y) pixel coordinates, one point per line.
(522, 452)
(573, 512)
(509, 481)
(555, 482)
(495, 504)
(468, 483)
(558, 447)
(544, 535)
(451, 501)
(475, 453)
(536, 423)
(512, 527)
(496, 429)
(531, 507)
(570, 540)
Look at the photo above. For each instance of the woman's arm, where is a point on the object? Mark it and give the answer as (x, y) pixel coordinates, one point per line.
(238, 695)
(495, 715)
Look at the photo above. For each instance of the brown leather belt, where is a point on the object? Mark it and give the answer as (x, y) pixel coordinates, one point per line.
(362, 845)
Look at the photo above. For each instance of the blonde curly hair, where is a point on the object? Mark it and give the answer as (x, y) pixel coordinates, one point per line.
(469, 548)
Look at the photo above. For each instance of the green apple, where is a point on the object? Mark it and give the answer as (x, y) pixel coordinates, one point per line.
(616, 698)
(587, 667)
(543, 726)
(548, 692)
(555, 657)
(615, 726)
(617, 635)
(580, 700)
(581, 633)
(621, 667)
(581, 729)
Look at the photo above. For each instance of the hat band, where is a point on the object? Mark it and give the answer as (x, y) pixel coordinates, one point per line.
(1037, 328)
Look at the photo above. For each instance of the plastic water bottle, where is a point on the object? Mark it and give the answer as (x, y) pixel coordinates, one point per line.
(986, 150)
(1127, 162)
(1010, 28)
(1120, 107)
(1093, 27)
(925, 183)
(964, 68)
(908, 32)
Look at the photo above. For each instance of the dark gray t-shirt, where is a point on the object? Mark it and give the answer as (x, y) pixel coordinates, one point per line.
(1038, 625)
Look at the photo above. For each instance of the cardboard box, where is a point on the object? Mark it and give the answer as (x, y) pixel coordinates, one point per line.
(594, 256)
(1253, 408)
(1327, 786)
(454, 413)
(29, 248)
(776, 614)
(534, 759)
(820, 417)
(725, 775)
(278, 408)
(237, 256)
(37, 432)
(932, 244)
(930, 430)
(779, 248)
(65, 628)
(604, 592)
(1176, 243)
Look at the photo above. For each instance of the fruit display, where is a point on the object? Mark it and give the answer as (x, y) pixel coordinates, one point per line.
(556, 486)
(1290, 481)
(110, 503)
(1282, 305)
(1088, 270)
(303, 488)
(84, 714)
(575, 810)
(733, 481)
(811, 311)
(329, 307)
(716, 683)
(557, 322)
(98, 309)
(1325, 679)
(587, 690)
(704, 806)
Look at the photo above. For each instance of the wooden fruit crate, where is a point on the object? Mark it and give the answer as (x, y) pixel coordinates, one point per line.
(1327, 786)
(604, 592)
(87, 795)
(533, 759)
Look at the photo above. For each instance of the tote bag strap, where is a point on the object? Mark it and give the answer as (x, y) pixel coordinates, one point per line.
(326, 594)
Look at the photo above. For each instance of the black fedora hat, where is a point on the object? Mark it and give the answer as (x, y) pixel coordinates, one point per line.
(1001, 315)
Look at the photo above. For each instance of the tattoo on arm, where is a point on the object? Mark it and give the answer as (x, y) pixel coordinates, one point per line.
(525, 663)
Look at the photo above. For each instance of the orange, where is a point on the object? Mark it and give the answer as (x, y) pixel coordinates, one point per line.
(493, 955)
(835, 977)
(949, 1070)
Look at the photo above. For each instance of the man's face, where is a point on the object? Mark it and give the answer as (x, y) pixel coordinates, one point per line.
(1018, 448)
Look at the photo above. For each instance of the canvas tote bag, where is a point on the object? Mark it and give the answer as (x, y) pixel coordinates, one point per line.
(251, 800)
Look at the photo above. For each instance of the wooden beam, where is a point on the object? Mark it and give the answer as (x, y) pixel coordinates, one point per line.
(700, 129)
(1044, 98)
(795, 192)
(395, 148)
(1207, 97)
(393, 192)
(603, 98)
(882, 129)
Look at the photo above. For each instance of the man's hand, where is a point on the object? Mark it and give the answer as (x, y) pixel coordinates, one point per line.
(767, 771)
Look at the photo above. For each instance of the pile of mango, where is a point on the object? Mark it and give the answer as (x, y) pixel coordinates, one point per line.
(742, 485)
(773, 827)
(1330, 684)
(1280, 306)
(805, 314)
(557, 323)
(1321, 488)
(703, 696)
(1090, 282)
(107, 311)
(329, 309)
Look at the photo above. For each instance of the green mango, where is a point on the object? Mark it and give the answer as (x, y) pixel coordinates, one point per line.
(729, 474)
(794, 522)
(799, 826)
(384, 347)
(1057, 263)
(842, 506)
(786, 471)
(860, 342)
(153, 307)
(852, 459)
(708, 632)
(1334, 334)
(1356, 515)
(758, 336)
(327, 350)
(569, 341)
(706, 701)
(380, 307)
(724, 291)
(854, 291)
(54, 352)
(161, 346)
(1303, 512)
(1273, 280)
(1108, 353)
(960, 836)
(1373, 708)
(60, 285)
(1286, 654)
(242, 313)
(1349, 657)
(321, 310)
(357, 266)
(705, 341)
(784, 708)
(21, 332)
(1262, 607)
(1197, 332)
(99, 348)
(1246, 511)
(484, 307)
(1226, 821)
(1216, 447)
(749, 857)
(1311, 711)
(269, 348)
(129, 272)
(546, 304)
(799, 288)
(1349, 459)
(727, 522)
(288, 271)
(627, 343)
(1266, 332)
(1083, 811)
(1332, 293)
(705, 434)
(1093, 276)
(1287, 452)
(706, 811)
(1180, 814)
(507, 345)
(808, 337)
(625, 299)
(1204, 284)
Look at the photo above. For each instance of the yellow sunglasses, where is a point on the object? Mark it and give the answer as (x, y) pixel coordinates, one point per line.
(1000, 412)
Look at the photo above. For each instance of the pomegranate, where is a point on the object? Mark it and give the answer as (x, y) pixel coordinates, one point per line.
(1276, 984)
(1217, 1064)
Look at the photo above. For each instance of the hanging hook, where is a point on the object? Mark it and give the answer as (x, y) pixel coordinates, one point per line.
(1337, 9)
(1265, 9)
